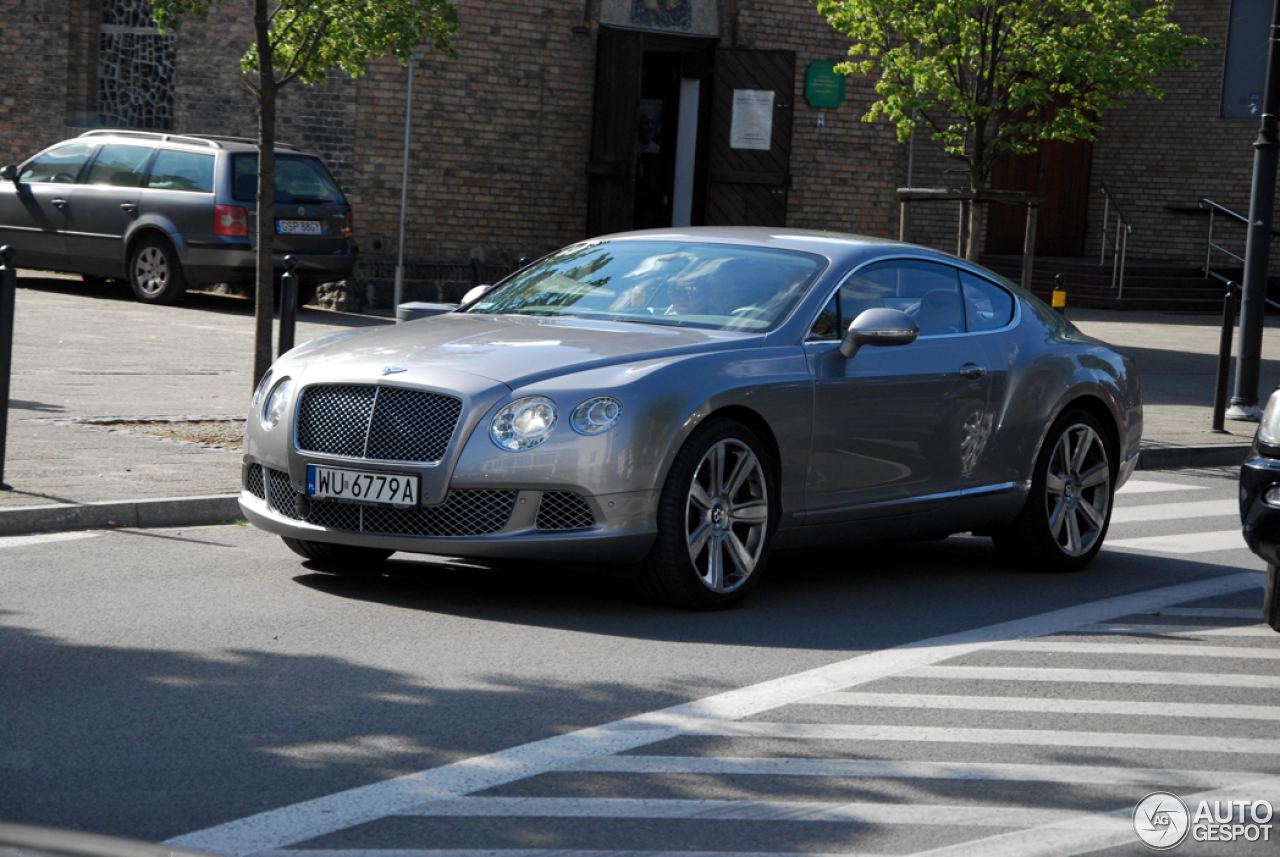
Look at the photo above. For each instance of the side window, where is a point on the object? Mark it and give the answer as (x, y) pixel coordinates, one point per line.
(60, 166)
(929, 292)
(190, 171)
(858, 294)
(986, 305)
(826, 326)
(119, 166)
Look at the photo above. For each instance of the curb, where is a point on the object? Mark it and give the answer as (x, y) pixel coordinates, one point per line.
(159, 512)
(1206, 455)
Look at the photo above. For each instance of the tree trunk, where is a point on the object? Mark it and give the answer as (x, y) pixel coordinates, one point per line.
(264, 310)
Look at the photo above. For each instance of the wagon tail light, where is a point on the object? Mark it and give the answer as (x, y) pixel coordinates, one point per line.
(349, 229)
(231, 220)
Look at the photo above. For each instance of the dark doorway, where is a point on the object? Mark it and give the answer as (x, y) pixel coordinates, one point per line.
(1061, 172)
(648, 149)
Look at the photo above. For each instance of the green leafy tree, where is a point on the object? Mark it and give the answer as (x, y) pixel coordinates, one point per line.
(989, 77)
(302, 40)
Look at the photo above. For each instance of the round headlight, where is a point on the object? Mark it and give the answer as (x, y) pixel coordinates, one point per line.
(524, 423)
(1269, 428)
(597, 415)
(273, 410)
(262, 388)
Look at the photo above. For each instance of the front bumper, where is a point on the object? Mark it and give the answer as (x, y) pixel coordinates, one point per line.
(623, 528)
(1260, 520)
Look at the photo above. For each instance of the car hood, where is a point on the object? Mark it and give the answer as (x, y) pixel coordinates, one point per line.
(511, 350)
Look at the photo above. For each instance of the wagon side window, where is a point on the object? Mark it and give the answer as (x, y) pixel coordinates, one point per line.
(986, 305)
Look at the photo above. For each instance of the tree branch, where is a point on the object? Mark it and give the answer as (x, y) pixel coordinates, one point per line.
(244, 78)
(291, 72)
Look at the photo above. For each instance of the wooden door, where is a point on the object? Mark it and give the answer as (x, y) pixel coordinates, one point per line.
(610, 169)
(1061, 172)
(748, 186)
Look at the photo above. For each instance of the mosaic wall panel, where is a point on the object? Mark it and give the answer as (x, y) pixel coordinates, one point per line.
(135, 68)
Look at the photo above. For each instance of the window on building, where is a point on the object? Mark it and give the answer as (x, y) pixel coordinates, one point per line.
(135, 68)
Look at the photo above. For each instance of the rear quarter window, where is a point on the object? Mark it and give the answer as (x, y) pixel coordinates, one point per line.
(189, 171)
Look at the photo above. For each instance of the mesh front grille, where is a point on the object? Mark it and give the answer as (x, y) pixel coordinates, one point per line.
(463, 513)
(335, 420)
(280, 494)
(381, 423)
(412, 426)
(564, 510)
(253, 482)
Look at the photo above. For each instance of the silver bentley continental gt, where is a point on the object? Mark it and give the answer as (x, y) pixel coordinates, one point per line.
(682, 402)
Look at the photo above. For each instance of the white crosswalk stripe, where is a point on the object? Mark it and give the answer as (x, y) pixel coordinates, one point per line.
(1193, 709)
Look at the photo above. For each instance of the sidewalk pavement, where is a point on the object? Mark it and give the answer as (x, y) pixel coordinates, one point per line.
(123, 414)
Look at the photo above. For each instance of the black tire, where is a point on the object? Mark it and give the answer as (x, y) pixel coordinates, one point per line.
(155, 273)
(1068, 511)
(1270, 599)
(736, 521)
(340, 559)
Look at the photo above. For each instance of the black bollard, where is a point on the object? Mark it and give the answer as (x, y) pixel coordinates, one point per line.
(288, 304)
(1224, 361)
(8, 292)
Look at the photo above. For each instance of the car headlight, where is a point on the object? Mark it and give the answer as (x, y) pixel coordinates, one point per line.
(1269, 428)
(262, 388)
(273, 410)
(524, 423)
(596, 415)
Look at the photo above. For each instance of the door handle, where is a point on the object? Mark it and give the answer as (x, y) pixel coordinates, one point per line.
(61, 203)
(129, 207)
(972, 371)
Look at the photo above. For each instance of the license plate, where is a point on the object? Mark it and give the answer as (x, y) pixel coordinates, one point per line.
(299, 227)
(361, 486)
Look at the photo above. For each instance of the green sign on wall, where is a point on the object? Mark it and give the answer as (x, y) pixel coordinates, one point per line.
(823, 87)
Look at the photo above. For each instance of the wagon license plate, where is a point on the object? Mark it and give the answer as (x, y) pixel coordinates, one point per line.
(360, 486)
(299, 227)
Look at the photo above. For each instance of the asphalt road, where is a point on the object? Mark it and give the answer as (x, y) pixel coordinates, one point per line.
(166, 684)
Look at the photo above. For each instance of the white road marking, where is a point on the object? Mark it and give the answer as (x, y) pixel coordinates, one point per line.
(541, 852)
(1041, 705)
(1177, 650)
(990, 737)
(1212, 612)
(43, 538)
(1181, 630)
(1176, 511)
(1075, 838)
(1175, 679)
(1139, 486)
(1224, 540)
(745, 810)
(882, 769)
(309, 819)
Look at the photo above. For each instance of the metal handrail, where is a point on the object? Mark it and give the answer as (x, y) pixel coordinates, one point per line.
(1232, 284)
(1120, 245)
(1214, 208)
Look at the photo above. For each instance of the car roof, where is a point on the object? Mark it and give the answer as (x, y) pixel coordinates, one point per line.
(205, 142)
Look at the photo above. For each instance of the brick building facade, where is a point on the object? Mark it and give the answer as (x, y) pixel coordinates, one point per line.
(505, 154)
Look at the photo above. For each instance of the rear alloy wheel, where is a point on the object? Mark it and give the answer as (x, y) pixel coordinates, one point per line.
(715, 521)
(340, 559)
(1069, 508)
(155, 272)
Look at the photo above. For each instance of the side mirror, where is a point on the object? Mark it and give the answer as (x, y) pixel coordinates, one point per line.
(9, 173)
(475, 294)
(879, 326)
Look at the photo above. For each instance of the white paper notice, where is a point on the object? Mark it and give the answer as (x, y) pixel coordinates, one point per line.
(752, 126)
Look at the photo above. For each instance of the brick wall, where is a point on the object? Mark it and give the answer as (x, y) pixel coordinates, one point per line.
(36, 35)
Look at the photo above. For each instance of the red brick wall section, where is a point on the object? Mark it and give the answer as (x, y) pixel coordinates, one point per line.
(33, 77)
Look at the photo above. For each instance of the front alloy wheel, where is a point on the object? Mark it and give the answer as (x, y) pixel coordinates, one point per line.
(727, 515)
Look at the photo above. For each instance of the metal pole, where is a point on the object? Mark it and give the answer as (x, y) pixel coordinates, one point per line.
(904, 230)
(1115, 252)
(1029, 246)
(8, 290)
(1208, 249)
(404, 190)
(1124, 251)
(1106, 211)
(1244, 404)
(1224, 361)
(288, 304)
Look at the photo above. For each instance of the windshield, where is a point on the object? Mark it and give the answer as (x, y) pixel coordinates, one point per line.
(300, 180)
(710, 286)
